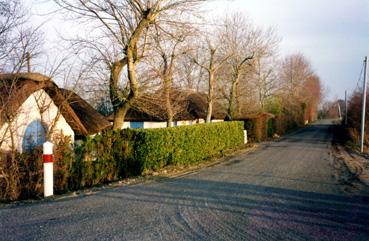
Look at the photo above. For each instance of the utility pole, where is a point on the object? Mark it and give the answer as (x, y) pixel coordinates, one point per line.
(345, 107)
(364, 104)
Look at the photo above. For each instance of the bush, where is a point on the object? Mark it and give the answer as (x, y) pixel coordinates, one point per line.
(259, 127)
(118, 154)
(156, 148)
(113, 155)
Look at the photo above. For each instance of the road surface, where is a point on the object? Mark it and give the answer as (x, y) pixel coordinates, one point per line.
(286, 190)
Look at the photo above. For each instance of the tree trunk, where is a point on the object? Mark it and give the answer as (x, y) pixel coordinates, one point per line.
(233, 98)
(168, 104)
(210, 96)
(119, 116)
(121, 105)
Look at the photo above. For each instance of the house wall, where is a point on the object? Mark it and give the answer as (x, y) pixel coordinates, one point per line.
(126, 125)
(200, 121)
(183, 123)
(214, 121)
(148, 124)
(36, 116)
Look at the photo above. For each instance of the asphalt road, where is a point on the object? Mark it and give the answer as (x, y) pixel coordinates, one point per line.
(286, 190)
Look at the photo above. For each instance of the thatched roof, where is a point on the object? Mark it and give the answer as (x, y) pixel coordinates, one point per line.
(91, 119)
(16, 88)
(189, 105)
(198, 105)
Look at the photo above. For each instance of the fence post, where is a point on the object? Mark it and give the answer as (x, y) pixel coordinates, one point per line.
(245, 136)
(48, 159)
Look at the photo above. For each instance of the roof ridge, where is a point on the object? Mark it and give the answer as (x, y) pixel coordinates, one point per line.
(25, 75)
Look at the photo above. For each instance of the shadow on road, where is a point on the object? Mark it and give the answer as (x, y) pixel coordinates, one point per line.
(332, 213)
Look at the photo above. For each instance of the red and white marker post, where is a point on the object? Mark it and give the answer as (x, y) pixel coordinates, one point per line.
(48, 158)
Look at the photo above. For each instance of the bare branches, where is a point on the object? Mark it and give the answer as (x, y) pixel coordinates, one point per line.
(17, 40)
(125, 25)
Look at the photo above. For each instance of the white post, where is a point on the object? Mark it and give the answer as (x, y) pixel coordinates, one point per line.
(364, 104)
(245, 136)
(339, 110)
(48, 159)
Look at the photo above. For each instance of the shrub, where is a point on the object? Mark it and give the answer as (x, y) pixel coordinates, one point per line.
(156, 148)
(259, 127)
(113, 155)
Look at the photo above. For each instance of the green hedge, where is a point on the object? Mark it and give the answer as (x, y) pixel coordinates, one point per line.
(114, 155)
(156, 148)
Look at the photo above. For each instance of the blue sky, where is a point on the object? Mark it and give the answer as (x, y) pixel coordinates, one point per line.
(332, 34)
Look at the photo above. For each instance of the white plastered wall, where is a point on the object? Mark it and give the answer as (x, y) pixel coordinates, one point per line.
(126, 124)
(214, 121)
(38, 106)
(148, 124)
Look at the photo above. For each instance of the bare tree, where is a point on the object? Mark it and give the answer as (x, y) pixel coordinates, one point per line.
(11, 16)
(124, 25)
(251, 47)
(168, 46)
(19, 42)
(238, 37)
(190, 75)
(265, 81)
(298, 82)
(211, 59)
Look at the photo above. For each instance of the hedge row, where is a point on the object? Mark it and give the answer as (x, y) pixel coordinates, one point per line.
(156, 148)
(118, 154)
(114, 155)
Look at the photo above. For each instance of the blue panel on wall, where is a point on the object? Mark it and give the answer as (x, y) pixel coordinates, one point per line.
(137, 124)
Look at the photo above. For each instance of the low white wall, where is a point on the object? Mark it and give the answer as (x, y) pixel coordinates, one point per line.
(152, 124)
(183, 123)
(126, 125)
(148, 124)
(214, 121)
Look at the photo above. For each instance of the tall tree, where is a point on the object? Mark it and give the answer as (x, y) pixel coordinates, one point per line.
(300, 87)
(168, 46)
(122, 28)
(244, 73)
(211, 59)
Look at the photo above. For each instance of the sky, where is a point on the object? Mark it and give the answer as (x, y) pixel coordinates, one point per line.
(332, 34)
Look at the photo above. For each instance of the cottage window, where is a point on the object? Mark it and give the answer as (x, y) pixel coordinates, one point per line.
(34, 135)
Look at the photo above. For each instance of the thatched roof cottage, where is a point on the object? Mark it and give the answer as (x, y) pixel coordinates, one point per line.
(33, 108)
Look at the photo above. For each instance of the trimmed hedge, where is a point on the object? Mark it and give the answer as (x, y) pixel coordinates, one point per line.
(113, 155)
(156, 148)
